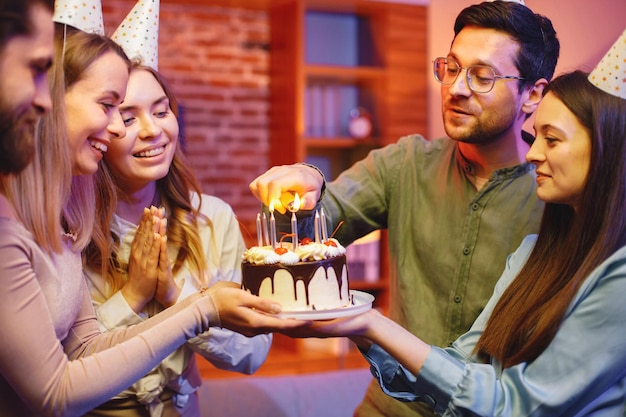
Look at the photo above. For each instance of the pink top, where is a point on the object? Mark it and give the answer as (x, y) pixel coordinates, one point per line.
(53, 359)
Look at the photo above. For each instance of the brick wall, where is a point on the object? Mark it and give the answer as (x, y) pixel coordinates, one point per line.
(217, 63)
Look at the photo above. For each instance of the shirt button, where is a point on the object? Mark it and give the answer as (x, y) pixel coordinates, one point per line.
(475, 206)
(466, 251)
(457, 298)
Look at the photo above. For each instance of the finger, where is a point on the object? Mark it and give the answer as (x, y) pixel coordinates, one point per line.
(268, 186)
(140, 235)
(263, 305)
(258, 186)
(162, 229)
(152, 251)
(164, 260)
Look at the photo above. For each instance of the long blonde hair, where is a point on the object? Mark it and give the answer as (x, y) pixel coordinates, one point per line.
(49, 200)
(79, 50)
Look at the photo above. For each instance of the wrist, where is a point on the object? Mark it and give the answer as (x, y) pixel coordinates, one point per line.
(319, 171)
(135, 303)
(214, 320)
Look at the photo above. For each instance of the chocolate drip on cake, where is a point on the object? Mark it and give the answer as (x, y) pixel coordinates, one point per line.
(302, 271)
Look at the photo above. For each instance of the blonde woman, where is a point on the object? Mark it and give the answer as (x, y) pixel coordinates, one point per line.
(204, 244)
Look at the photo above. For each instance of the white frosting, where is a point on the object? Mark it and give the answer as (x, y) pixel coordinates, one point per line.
(260, 255)
(264, 255)
(289, 258)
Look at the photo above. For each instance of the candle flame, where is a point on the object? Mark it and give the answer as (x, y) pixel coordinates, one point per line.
(271, 206)
(295, 205)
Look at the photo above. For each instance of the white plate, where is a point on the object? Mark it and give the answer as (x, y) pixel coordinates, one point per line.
(362, 303)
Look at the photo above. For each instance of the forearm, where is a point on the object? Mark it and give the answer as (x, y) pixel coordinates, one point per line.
(410, 351)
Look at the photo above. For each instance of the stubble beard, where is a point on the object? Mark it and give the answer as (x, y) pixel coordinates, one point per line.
(17, 139)
(480, 132)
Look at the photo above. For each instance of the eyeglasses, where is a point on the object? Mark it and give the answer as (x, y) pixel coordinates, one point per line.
(480, 78)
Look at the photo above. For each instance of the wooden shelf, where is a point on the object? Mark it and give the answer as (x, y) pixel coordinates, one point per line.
(345, 73)
(316, 78)
(368, 286)
(338, 142)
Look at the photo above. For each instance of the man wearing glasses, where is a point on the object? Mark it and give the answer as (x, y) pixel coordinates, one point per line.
(454, 207)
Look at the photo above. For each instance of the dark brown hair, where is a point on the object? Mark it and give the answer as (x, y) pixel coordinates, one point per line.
(538, 45)
(570, 245)
(15, 19)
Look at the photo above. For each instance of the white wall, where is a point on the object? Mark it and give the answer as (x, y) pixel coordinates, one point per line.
(586, 30)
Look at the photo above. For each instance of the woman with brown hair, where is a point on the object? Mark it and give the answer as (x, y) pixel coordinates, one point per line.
(204, 245)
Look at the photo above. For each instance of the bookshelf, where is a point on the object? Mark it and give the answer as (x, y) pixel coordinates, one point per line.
(328, 57)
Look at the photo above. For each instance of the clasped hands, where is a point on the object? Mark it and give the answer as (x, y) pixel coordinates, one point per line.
(149, 270)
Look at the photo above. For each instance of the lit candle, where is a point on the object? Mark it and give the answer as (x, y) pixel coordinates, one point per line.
(316, 226)
(272, 231)
(294, 230)
(266, 236)
(323, 225)
(293, 207)
(272, 226)
(259, 230)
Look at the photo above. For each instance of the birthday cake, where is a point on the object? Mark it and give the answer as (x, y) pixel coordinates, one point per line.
(314, 277)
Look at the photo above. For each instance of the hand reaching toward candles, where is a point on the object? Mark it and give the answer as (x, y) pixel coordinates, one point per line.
(279, 185)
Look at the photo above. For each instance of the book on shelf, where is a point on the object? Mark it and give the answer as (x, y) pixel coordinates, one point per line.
(363, 258)
(327, 109)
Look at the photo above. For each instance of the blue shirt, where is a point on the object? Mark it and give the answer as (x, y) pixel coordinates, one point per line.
(581, 373)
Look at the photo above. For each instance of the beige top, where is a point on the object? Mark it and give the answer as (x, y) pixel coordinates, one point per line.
(53, 358)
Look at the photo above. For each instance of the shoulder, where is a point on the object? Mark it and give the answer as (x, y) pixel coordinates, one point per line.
(416, 146)
(523, 251)
(419, 141)
(411, 149)
(13, 233)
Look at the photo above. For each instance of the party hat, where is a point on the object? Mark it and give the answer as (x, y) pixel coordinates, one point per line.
(610, 74)
(138, 34)
(85, 15)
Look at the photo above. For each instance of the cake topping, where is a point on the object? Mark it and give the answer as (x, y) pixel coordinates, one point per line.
(265, 255)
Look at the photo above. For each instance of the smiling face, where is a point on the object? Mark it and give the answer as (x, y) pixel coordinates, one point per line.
(476, 118)
(93, 118)
(145, 154)
(561, 153)
(25, 95)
